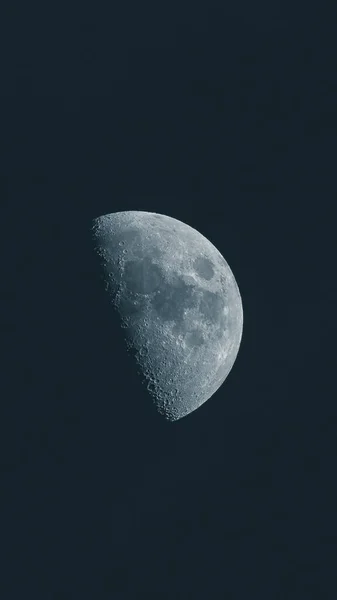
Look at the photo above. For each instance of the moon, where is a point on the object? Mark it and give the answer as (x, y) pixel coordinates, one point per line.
(178, 302)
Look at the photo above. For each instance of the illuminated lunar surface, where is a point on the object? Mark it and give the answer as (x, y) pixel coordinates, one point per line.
(178, 303)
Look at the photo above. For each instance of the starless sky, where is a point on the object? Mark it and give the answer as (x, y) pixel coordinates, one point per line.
(222, 117)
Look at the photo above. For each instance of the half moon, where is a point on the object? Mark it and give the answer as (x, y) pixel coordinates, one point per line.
(178, 303)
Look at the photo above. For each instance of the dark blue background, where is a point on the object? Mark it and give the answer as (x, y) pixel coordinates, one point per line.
(223, 118)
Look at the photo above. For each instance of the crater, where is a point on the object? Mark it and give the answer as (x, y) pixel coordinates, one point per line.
(203, 267)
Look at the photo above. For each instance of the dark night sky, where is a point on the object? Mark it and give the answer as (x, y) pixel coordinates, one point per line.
(222, 118)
